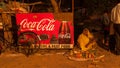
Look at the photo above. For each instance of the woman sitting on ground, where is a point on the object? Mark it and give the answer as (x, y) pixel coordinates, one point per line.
(86, 40)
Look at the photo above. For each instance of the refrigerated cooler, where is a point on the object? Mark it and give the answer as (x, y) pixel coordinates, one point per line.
(48, 31)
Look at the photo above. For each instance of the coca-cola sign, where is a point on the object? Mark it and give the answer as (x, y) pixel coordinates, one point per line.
(48, 30)
(42, 25)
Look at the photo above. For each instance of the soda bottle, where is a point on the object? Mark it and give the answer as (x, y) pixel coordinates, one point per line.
(64, 33)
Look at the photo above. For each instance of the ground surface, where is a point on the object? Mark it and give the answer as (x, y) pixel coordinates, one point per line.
(56, 60)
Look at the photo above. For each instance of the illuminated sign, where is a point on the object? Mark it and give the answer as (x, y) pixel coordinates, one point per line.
(50, 32)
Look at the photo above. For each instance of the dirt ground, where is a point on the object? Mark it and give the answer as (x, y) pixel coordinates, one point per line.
(56, 60)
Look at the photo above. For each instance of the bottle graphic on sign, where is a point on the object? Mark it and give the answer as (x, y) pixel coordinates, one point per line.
(64, 35)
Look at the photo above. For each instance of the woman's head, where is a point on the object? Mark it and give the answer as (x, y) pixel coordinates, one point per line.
(85, 31)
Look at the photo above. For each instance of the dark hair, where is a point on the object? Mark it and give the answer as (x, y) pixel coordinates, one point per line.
(6, 1)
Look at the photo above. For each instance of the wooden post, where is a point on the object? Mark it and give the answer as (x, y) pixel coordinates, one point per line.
(72, 6)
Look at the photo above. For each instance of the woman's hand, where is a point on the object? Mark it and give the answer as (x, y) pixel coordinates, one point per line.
(90, 42)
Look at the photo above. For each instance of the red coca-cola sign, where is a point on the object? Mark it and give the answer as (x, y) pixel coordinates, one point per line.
(46, 28)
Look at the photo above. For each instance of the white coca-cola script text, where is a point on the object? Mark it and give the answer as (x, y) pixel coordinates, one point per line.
(42, 25)
(67, 35)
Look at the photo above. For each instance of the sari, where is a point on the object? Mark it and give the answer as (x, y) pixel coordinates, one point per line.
(86, 42)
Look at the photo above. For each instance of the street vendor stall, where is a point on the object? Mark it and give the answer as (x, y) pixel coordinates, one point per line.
(35, 28)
